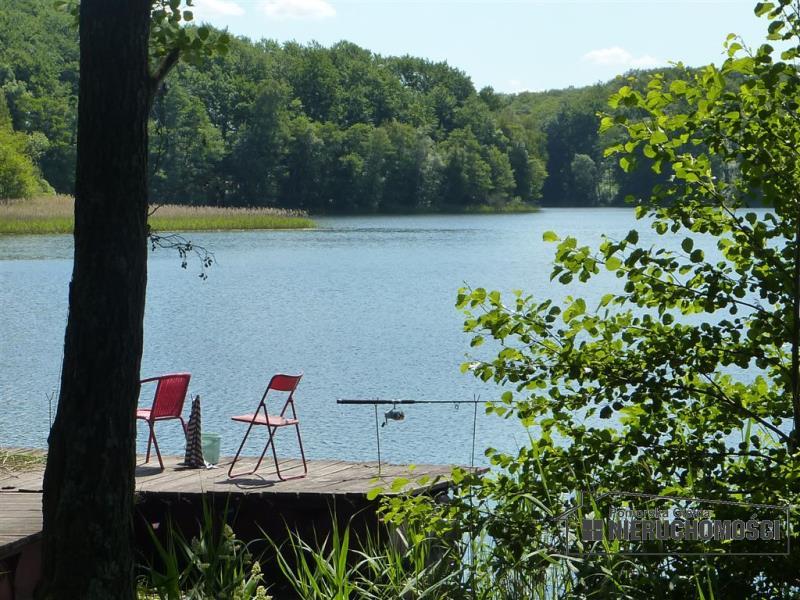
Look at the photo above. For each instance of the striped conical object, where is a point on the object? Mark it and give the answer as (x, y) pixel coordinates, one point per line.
(194, 444)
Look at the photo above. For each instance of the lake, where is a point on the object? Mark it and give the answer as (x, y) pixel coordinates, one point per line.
(363, 306)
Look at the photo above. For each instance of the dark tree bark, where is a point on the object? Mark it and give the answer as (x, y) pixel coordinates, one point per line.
(89, 480)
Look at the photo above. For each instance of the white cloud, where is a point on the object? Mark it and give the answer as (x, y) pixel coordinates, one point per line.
(298, 9)
(619, 57)
(218, 8)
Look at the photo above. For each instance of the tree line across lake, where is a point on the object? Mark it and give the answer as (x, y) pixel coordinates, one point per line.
(337, 129)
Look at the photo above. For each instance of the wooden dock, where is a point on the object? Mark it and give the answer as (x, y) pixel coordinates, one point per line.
(20, 521)
(325, 478)
(330, 485)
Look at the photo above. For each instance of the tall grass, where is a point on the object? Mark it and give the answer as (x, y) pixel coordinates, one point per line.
(54, 214)
(401, 565)
(416, 567)
(373, 568)
(214, 564)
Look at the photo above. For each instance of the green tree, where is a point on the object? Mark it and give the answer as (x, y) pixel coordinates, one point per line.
(258, 154)
(529, 172)
(466, 178)
(409, 170)
(491, 98)
(686, 381)
(573, 131)
(315, 82)
(19, 177)
(502, 174)
(475, 115)
(371, 94)
(185, 151)
(371, 184)
(39, 78)
(302, 187)
(583, 180)
(245, 147)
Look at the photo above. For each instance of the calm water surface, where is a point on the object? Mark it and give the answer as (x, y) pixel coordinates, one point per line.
(363, 306)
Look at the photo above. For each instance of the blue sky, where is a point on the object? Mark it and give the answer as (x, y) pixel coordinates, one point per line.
(512, 45)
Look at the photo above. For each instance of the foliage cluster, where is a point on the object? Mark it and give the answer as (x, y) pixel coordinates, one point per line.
(322, 129)
(213, 564)
(19, 175)
(686, 382)
(389, 564)
(405, 563)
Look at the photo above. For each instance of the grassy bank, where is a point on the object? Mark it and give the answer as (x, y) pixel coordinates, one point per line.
(53, 214)
(20, 459)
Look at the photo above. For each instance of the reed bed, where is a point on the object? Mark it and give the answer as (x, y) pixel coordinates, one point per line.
(54, 214)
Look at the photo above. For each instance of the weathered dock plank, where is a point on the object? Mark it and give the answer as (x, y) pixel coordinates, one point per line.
(327, 480)
(20, 521)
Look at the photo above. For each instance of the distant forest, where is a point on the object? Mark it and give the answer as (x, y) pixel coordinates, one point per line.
(327, 130)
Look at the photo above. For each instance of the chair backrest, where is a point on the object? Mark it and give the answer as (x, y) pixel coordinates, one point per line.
(170, 395)
(282, 383)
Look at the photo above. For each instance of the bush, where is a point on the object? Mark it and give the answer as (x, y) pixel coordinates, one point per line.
(686, 382)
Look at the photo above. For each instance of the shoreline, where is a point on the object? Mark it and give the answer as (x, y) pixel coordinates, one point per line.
(52, 215)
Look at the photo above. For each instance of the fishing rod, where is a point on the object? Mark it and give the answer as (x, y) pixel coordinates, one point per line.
(395, 414)
(379, 401)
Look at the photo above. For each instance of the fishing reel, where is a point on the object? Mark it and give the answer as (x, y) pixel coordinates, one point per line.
(393, 414)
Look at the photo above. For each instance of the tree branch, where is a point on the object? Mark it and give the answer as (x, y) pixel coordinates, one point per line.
(184, 247)
(721, 395)
(169, 61)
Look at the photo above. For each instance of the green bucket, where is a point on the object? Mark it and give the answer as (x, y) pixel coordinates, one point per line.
(210, 442)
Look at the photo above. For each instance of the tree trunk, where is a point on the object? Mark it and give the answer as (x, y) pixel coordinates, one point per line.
(89, 480)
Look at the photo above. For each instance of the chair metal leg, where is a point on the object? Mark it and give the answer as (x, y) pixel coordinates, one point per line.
(260, 458)
(155, 443)
(149, 442)
(270, 441)
(302, 454)
(275, 455)
(236, 457)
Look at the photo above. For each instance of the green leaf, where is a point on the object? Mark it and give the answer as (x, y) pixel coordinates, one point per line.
(550, 236)
(677, 87)
(577, 308)
(399, 483)
(606, 299)
(613, 263)
(658, 137)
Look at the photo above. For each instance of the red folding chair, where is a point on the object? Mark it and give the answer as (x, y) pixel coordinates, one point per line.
(167, 404)
(278, 383)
